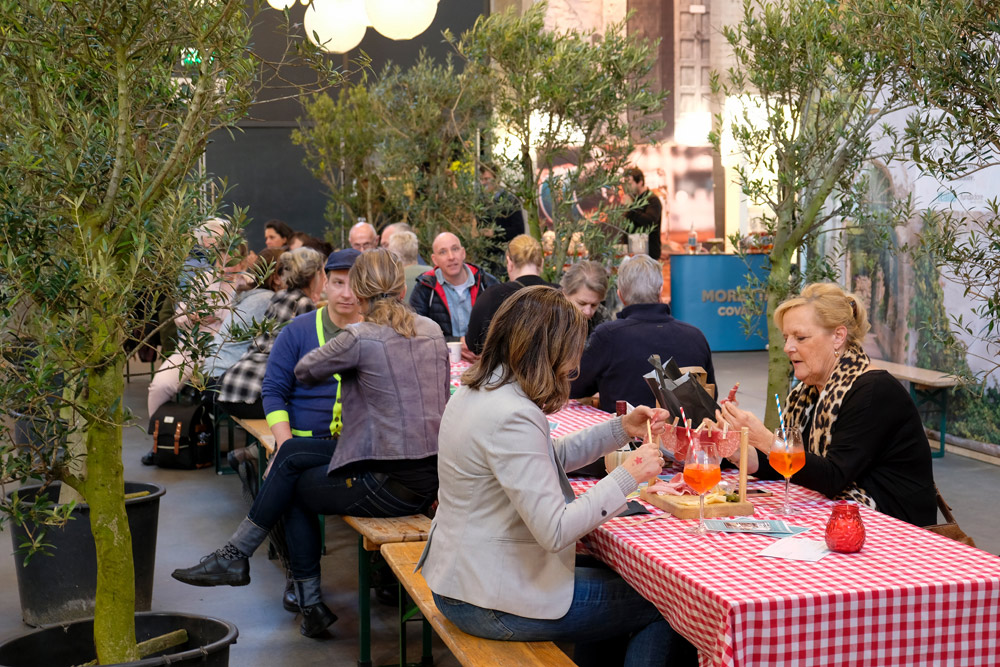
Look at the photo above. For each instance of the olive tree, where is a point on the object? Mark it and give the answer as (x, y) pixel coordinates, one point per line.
(568, 108)
(812, 102)
(107, 107)
(951, 51)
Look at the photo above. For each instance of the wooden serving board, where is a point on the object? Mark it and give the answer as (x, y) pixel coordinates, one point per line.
(683, 510)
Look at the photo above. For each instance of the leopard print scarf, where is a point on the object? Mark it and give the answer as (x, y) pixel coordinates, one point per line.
(803, 400)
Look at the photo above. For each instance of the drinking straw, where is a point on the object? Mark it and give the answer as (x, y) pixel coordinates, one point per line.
(781, 417)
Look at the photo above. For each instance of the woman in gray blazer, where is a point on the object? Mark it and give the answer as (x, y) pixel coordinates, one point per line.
(500, 558)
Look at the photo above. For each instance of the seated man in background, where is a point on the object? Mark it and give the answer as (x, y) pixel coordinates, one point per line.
(616, 356)
(447, 293)
(363, 237)
(391, 229)
(404, 245)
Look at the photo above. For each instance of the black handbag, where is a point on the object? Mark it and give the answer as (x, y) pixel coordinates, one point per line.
(182, 436)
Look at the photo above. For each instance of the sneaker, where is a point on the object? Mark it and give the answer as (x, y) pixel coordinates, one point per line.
(148, 459)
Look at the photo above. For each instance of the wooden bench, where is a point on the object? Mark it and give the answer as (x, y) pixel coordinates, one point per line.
(372, 534)
(469, 650)
(260, 432)
(926, 387)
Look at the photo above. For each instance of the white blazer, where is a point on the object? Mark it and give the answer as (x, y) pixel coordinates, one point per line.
(504, 536)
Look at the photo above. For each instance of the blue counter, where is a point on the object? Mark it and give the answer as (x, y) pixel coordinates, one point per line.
(703, 293)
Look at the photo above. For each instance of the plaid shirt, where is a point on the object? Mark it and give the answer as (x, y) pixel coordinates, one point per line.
(241, 383)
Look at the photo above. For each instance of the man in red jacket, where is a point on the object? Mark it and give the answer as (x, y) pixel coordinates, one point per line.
(447, 292)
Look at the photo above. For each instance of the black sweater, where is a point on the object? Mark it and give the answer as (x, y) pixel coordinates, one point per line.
(878, 441)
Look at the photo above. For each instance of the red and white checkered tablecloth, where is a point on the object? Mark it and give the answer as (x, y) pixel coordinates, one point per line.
(571, 418)
(909, 597)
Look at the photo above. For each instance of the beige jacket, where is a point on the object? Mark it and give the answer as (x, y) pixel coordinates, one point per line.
(507, 524)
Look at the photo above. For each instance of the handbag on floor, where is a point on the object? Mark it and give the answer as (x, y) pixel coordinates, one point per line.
(182, 436)
(951, 528)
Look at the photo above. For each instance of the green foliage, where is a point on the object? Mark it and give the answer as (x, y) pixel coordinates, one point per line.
(340, 139)
(400, 148)
(813, 97)
(568, 108)
(954, 74)
(407, 145)
(974, 413)
(936, 347)
(106, 115)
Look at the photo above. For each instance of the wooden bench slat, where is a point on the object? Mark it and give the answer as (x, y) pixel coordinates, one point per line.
(261, 432)
(402, 557)
(918, 376)
(379, 531)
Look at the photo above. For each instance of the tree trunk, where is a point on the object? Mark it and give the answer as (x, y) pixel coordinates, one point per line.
(530, 203)
(777, 362)
(114, 612)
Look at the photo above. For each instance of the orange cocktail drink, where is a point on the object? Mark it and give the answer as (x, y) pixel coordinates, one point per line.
(702, 477)
(786, 463)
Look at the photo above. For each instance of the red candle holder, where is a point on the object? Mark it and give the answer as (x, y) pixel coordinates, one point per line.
(845, 533)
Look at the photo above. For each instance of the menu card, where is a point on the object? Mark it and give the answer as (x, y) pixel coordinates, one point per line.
(767, 527)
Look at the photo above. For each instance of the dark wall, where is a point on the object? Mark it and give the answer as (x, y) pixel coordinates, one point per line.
(263, 170)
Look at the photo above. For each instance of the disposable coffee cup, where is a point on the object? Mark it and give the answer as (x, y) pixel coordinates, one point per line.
(454, 352)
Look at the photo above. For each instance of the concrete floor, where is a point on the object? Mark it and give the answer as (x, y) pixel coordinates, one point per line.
(200, 509)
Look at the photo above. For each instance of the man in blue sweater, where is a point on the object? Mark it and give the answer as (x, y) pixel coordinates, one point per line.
(293, 409)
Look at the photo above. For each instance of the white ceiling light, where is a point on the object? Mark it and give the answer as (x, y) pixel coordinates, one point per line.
(281, 5)
(401, 19)
(336, 26)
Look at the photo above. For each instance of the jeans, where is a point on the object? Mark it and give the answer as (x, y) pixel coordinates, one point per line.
(298, 489)
(604, 609)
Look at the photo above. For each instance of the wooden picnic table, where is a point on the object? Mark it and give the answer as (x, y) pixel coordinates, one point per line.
(927, 387)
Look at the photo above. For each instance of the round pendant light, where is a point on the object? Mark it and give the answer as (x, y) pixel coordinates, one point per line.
(336, 26)
(401, 19)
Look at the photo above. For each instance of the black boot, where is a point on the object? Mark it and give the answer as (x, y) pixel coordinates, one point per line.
(214, 570)
(316, 616)
(290, 601)
(316, 619)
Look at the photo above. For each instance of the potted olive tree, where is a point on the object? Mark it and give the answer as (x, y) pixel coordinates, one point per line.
(107, 107)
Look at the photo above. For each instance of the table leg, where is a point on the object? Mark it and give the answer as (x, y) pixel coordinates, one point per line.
(364, 604)
(943, 425)
(937, 398)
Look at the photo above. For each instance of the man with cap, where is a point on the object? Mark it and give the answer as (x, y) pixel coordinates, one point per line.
(294, 409)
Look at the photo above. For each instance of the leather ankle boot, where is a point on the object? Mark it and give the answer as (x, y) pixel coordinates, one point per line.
(290, 601)
(316, 619)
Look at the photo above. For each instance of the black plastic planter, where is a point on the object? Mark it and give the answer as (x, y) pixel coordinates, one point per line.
(208, 642)
(61, 587)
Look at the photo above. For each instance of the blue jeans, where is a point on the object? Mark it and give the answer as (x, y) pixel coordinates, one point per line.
(298, 489)
(604, 608)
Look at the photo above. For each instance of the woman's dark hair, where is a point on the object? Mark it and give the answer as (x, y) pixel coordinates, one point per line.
(280, 228)
(378, 279)
(536, 338)
(310, 241)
